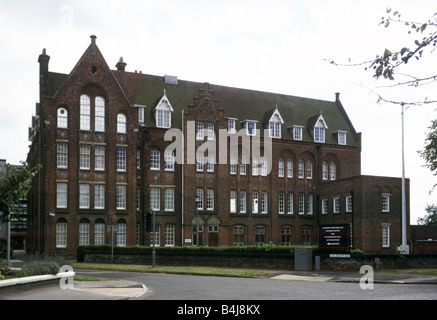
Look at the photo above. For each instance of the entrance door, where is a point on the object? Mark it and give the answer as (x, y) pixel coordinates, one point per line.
(213, 239)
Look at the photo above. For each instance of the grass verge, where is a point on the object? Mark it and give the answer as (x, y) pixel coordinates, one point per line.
(210, 271)
(418, 271)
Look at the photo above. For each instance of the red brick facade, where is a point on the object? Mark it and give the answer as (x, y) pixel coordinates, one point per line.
(79, 192)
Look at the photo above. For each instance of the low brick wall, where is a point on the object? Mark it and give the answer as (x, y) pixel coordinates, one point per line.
(260, 259)
(29, 283)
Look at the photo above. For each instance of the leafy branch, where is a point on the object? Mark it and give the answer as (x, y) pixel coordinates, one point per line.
(386, 64)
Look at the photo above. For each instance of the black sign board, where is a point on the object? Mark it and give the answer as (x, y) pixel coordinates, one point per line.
(334, 236)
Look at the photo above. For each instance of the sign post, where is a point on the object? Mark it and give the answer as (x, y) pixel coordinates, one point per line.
(112, 229)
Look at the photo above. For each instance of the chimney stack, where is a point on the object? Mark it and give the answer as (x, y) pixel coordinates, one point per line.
(121, 66)
(43, 60)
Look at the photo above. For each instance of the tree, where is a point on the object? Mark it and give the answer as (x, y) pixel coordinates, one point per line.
(389, 64)
(429, 153)
(14, 186)
(431, 218)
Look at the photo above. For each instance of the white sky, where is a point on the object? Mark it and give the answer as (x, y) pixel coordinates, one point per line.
(275, 46)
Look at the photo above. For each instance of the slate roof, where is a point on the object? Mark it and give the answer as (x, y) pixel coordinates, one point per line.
(242, 104)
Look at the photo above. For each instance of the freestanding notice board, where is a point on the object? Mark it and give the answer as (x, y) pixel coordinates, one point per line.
(334, 236)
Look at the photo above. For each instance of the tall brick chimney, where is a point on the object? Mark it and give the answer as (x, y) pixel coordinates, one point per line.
(43, 74)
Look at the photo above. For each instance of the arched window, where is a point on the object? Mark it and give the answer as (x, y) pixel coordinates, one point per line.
(260, 235)
(121, 123)
(61, 233)
(100, 114)
(121, 234)
(62, 118)
(85, 112)
(99, 232)
(84, 232)
(325, 170)
(286, 236)
(306, 235)
(333, 170)
(238, 236)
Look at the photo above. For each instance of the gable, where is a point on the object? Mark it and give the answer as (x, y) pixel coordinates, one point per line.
(90, 71)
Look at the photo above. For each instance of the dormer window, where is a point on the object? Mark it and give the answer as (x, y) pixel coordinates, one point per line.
(274, 123)
(318, 126)
(231, 126)
(163, 112)
(250, 126)
(319, 133)
(341, 137)
(297, 132)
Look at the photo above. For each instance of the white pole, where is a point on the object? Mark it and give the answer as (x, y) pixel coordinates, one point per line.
(404, 247)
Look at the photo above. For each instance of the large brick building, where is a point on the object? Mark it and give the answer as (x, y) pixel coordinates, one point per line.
(100, 136)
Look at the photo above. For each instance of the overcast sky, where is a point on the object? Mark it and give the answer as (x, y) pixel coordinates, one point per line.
(275, 46)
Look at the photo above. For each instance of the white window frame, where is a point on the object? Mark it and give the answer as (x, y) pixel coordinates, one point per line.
(62, 120)
(85, 156)
(250, 127)
(281, 168)
(385, 202)
(121, 158)
(99, 157)
(163, 119)
(281, 203)
(231, 126)
(275, 129)
(169, 199)
(336, 205)
(255, 202)
(155, 198)
(264, 202)
(121, 197)
(169, 161)
(290, 203)
(170, 231)
(200, 131)
(99, 111)
(121, 235)
(85, 112)
(385, 236)
(301, 169)
(309, 169)
(349, 204)
(99, 233)
(233, 201)
(61, 195)
(324, 206)
(297, 133)
(201, 197)
(233, 165)
(61, 234)
(243, 202)
(84, 233)
(99, 196)
(84, 196)
(62, 155)
(289, 168)
(210, 199)
(325, 170)
(301, 203)
(121, 123)
(155, 160)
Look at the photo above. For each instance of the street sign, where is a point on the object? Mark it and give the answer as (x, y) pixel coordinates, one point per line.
(334, 236)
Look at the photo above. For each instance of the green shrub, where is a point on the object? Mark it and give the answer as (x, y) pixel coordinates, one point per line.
(5, 267)
(40, 267)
